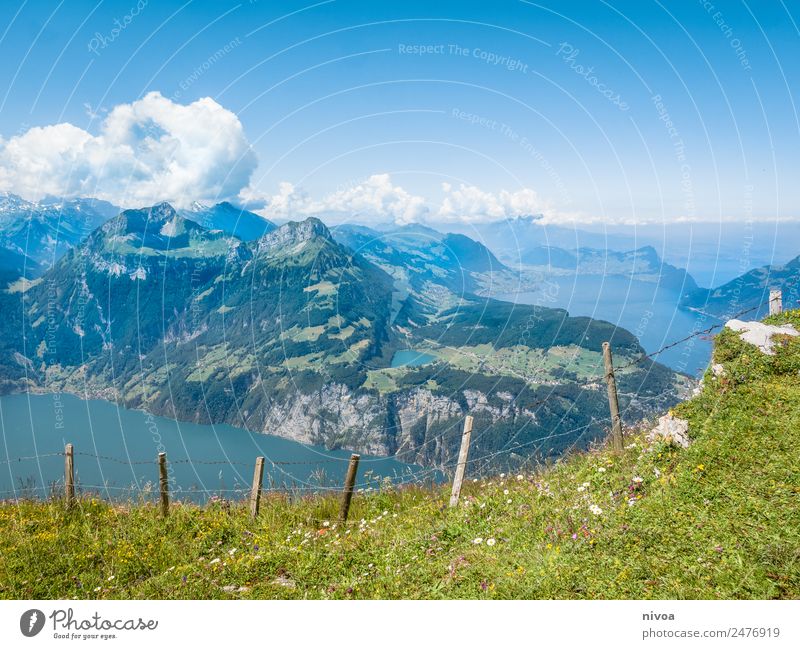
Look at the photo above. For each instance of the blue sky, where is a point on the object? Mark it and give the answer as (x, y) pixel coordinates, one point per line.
(618, 111)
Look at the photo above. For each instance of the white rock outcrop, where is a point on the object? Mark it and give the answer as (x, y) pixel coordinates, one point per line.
(760, 334)
(671, 429)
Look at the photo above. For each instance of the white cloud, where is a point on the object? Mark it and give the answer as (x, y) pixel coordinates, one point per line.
(471, 204)
(147, 151)
(373, 200)
(377, 198)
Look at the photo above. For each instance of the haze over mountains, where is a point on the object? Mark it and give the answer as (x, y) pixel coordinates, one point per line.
(356, 338)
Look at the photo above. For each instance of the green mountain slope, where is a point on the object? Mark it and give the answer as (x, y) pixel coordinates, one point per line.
(717, 520)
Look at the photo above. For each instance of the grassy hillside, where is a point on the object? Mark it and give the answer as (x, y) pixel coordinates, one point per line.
(716, 520)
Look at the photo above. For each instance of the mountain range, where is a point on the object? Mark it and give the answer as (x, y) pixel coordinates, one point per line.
(368, 340)
(749, 291)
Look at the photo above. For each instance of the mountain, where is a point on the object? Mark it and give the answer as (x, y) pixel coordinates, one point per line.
(642, 264)
(749, 290)
(422, 260)
(230, 219)
(298, 335)
(36, 234)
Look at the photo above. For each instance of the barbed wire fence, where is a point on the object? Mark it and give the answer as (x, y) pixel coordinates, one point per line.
(161, 484)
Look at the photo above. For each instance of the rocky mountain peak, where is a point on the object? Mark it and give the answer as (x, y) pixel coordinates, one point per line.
(293, 234)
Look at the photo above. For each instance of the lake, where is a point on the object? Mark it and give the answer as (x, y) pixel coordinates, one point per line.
(204, 460)
(410, 358)
(649, 312)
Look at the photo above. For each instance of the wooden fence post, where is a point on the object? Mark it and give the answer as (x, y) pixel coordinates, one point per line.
(69, 474)
(458, 478)
(349, 485)
(613, 402)
(255, 492)
(775, 301)
(163, 483)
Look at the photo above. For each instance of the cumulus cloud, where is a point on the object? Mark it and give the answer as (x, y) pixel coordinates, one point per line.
(374, 199)
(471, 204)
(147, 151)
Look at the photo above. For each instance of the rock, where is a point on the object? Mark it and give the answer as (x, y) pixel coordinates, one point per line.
(672, 429)
(760, 334)
(282, 580)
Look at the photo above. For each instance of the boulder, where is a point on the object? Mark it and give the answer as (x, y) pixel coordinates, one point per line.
(671, 429)
(760, 334)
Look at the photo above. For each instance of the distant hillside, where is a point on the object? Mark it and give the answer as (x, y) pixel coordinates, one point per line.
(42, 232)
(418, 258)
(298, 335)
(749, 290)
(642, 264)
(230, 219)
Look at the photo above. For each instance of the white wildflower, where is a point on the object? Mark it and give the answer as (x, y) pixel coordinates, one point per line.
(477, 541)
(490, 541)
(595, 510)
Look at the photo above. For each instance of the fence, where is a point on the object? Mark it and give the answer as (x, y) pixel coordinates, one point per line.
(349, 487)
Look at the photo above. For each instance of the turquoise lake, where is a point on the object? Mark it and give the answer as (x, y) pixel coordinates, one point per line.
(411, 358)
(204, 460)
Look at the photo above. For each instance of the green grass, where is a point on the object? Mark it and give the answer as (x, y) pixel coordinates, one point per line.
(716, 520)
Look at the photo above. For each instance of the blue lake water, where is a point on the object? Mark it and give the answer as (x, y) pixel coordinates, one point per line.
(410, 358)
(203, 460)
(649, 312)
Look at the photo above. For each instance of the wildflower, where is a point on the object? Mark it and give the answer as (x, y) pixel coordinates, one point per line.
(502, 475)
(637, 479)
(484, 585)
(505, 492)
(110, 578)
(474, 479)
(574, 536)
(586, 484)
(490, 542)
(601, 469)
(656, 472)
(595, 510)
(232, 551)
(508, 501)
(717, 548)
(385, 513)
(213, 561)
(477, 541)
(326, 523)
(581, 488)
